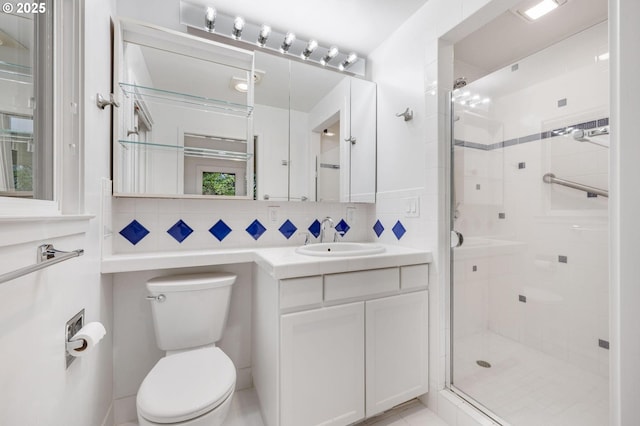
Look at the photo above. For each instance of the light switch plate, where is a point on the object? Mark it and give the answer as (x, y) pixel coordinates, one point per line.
(412, 207)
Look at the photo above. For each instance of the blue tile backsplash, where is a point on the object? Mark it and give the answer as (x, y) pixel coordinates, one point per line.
(398, 230)
(144, 225)
(287, 229)
(220, 230)
(315, 228)
(342, 227)
(180, 231)
(134, 232)
(378, 228)
(256, 229)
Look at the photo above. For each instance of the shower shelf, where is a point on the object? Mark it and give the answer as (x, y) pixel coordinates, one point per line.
(190, 151)
(184, 100)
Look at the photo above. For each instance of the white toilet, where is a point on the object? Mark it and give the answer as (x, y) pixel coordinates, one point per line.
(193, 384)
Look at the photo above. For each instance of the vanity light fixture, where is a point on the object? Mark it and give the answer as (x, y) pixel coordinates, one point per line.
(326, 132)
(348, 62)
(287, 42)
(308, 50)
(331, 53)
(221, 26)
(210, 19)
(265, 31)
(238, 26)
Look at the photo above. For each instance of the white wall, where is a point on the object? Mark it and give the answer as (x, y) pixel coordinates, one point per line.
(37, 388)
(625, 209)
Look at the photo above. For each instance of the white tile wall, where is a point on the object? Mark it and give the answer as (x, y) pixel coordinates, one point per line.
(158, 215)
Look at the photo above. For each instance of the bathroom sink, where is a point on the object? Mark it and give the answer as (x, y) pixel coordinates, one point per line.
(340, 249)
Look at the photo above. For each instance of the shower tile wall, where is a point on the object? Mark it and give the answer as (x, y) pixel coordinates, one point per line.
(561, 265)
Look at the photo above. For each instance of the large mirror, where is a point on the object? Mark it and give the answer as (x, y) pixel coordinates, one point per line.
(26, 76)
(184, 123)
(192, 123)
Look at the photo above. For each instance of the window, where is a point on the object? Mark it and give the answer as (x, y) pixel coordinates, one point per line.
(218, 183)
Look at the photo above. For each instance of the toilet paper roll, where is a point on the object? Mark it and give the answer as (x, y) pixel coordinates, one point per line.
(91, 333)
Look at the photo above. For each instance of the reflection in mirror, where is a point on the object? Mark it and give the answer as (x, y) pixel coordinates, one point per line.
(319, 100)
(328, 164)
(271, 127)
(341, 167)
(184, 125)
(26, 133)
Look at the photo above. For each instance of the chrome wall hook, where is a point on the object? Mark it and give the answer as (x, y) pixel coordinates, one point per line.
(102, 102)
(407, 114)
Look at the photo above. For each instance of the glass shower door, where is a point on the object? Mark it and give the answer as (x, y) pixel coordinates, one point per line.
(529, 286)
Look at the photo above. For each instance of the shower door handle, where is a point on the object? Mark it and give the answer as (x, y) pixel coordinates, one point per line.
(456, 239)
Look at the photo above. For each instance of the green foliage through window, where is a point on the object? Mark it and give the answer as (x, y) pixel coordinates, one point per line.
(217, 183)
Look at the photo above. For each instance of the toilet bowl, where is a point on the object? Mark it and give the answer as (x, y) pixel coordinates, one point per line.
(193, 384)
(188, 388)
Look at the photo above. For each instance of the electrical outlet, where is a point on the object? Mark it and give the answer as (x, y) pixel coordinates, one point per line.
(273, 214)
(351, 215)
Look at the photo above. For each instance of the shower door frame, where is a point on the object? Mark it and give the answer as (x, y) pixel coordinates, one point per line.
(449, 212)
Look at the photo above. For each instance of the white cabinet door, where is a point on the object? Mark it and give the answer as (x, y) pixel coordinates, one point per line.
(397, 350)
(322, 366)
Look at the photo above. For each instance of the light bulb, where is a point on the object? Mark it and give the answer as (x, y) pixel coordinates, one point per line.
(210, 19)
(238, 25)
(331, 53)
(348, 62)
(308, 50)
(287, 42)
(265, 31)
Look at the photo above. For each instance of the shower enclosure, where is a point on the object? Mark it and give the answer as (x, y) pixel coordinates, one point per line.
(529, 288)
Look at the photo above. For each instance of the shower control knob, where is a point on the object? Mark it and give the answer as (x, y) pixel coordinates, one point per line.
(159, 298)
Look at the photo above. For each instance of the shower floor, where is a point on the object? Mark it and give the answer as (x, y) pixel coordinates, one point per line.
(526, 387)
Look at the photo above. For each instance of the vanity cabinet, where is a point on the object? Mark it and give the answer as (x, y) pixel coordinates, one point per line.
(338, 348)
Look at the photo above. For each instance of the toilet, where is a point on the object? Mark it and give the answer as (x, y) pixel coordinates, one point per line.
(193, 383)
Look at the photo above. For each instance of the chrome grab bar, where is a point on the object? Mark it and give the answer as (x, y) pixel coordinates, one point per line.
(551, 178)
(47, 256)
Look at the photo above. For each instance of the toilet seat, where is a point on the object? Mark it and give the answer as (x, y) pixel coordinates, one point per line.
(186, 385)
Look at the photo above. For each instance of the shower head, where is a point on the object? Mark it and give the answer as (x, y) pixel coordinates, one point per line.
(459, 83)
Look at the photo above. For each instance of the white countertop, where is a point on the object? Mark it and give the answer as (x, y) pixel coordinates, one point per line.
(279, 262)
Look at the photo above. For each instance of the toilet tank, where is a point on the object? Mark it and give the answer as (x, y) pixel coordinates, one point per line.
(193, 311)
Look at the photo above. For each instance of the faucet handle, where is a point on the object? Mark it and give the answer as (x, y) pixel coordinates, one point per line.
(335, 235)
(306, 237)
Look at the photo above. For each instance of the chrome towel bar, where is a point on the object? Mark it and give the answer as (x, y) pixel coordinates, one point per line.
(551, 178)
(47, 256)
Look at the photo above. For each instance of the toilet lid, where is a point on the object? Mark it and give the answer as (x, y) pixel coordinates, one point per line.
(186, 385)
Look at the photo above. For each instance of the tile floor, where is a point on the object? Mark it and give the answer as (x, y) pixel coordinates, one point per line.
(245, 411)
(526, 387)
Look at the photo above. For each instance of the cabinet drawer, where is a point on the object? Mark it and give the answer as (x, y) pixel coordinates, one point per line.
(414, 276)
(362, 283)
(300, 292)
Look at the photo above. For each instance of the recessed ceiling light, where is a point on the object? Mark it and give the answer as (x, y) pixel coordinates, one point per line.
(540, 9)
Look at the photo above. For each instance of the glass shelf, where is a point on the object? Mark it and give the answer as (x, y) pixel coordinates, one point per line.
(149, 94)
(13, 136)
(15, 73)
(190, 151)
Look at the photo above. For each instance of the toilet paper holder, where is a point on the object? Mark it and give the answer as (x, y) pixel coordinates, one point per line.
(73, 326)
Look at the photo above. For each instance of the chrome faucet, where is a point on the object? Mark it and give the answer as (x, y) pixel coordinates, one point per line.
(323, 226)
